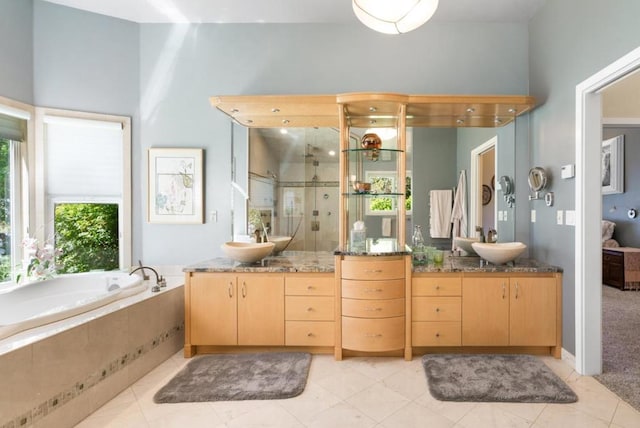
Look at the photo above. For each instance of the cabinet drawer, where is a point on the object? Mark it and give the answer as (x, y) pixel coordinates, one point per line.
(437, 286)
(373, 335)
(309, 285)
(381, 308)
(392, 289)
(373, 269)
(309, 308)
(436, 308)
(309, 333)
(436, 333)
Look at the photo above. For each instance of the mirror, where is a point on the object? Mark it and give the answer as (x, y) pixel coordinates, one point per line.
(537, 181)
(302, 198)
(291, 184)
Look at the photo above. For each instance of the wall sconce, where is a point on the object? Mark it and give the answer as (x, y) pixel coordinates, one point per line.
(508, 189)
(394, 17)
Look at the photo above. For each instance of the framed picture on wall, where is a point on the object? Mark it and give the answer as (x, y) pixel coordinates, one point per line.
(175, 186)
(613, 165)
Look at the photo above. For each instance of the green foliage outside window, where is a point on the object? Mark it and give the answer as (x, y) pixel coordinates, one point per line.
(87, 235)
(5, 210)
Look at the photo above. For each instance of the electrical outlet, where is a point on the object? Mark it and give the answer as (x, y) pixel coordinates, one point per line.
(570, 218)
(213, 216)
(533, 216)
(559, 216)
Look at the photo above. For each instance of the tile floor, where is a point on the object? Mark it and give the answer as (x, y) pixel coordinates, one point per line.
(362, 392)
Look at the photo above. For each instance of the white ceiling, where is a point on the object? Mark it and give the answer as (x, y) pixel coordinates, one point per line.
(290, 11)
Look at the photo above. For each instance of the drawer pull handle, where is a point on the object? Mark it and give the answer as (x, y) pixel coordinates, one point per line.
(373, 271)
(230, 289)
(373, 335)
(504, 289)
(309, 334)
(310, 287)
(437, 334)
(309, 309)
(373, 309)
(373, 290)
(516, 290)
(244, 289)
(437, 287)
(437, 309)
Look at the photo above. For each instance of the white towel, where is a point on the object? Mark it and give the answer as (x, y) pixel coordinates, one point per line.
(386, 226)
(440, 213)
(459, 211)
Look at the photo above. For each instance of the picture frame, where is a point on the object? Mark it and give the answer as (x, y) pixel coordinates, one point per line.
(612, 164)
(175, 185)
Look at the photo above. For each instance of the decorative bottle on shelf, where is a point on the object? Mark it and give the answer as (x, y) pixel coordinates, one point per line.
(418, 250)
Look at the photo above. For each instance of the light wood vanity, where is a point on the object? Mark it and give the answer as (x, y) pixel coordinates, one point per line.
(364, 300)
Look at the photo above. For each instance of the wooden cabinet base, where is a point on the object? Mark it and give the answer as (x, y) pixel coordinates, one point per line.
(532, 350)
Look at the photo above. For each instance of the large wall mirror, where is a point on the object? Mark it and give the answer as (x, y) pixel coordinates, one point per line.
(287, 181)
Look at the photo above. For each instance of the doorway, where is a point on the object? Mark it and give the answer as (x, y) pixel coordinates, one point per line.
(588, 265)
(482, 187)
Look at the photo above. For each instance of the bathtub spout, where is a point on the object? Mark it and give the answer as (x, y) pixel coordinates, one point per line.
(160, 281)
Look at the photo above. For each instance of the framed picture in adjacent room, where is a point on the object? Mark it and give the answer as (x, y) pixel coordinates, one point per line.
(613, 165)
(175, 186)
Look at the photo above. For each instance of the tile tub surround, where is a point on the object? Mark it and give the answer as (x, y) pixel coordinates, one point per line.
(58, 379)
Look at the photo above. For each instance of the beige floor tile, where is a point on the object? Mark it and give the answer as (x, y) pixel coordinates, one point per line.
(314, 400)
(626, 416)
(593, 398)
(415, 416)
(230, 410)
(488, 415)
(527, 411)
(196, 415)
(451, 410)
(564, 416)
(342, 415)
(270, 415)
(377, 368)
(378, 402)
(346, 383)
(410, 382)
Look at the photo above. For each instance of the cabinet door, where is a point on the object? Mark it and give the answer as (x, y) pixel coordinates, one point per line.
(485, 311)
(213, 309)
(532, 311)
(260, 309)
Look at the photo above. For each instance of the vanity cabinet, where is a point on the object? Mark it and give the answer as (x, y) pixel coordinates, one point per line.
(234, 309)
(436, 312)
(511, 310)
(373, 303)
(309, 310)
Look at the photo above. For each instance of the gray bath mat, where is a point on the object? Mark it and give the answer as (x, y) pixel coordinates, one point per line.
(506, 378)
(232, 377)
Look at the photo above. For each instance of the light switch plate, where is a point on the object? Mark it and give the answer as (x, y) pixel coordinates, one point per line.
(567, 171)
(570, 218)
(533, 216)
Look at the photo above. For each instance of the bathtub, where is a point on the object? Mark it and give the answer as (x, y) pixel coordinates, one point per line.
(32, 305)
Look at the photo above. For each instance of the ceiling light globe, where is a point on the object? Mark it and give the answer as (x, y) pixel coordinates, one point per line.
(394, 17)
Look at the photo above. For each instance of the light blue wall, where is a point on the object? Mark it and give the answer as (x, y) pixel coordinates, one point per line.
(570, 40)
(614, 207)
(163, 75)
(16, 48)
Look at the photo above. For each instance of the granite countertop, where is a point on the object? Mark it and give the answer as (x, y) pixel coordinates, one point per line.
(287, 261)
(453, 263)
(324, 261)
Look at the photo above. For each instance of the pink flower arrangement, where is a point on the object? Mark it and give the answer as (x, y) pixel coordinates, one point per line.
(41, 262)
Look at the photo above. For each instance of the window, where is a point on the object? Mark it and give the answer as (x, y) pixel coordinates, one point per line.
(13, 135)
(85, 195)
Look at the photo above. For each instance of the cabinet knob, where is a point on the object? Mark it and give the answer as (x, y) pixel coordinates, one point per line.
(309, 309)
(437, 334)
(437, 287)
(437, 309)
(310, 287)
(309, 334)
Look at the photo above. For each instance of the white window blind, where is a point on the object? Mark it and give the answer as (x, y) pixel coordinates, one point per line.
(83, 157)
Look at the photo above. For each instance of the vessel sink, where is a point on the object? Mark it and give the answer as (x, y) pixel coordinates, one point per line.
(499, 253)
(280, 241)
(247, 252)
(465, 244)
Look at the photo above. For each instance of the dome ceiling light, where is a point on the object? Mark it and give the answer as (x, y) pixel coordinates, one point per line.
(394, 17)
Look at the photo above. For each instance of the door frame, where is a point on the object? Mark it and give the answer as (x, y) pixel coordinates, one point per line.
(588, 253)
(475, 196)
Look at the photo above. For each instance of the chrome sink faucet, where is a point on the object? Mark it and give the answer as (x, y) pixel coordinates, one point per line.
(481, 230)
(492, 236)
(160, 280)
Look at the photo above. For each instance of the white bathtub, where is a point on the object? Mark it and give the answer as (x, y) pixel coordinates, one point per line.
(38, 303)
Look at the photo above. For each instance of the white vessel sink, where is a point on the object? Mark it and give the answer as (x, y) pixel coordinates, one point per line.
(499, 253)
(280, 241)
(247, 252)
(465, 244)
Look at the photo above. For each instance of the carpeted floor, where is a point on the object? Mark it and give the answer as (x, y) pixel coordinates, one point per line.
(621, 343)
